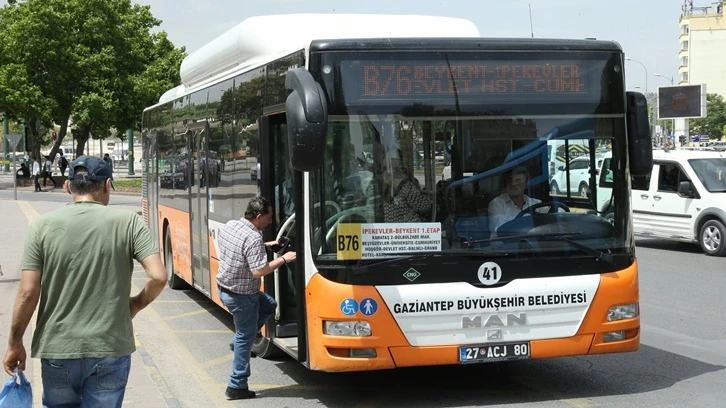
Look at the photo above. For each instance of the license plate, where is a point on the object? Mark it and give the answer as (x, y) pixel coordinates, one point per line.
(490, 353)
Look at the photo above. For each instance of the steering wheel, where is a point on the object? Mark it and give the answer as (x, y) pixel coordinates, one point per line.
(332, 204)
(554, 206)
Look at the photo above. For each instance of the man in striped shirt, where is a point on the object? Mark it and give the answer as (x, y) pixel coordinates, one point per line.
(242, 264)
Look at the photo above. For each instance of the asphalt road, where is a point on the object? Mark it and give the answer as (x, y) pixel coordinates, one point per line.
(680, 364)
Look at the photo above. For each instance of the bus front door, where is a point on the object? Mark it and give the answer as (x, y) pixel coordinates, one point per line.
(280, 191)
(199, 210)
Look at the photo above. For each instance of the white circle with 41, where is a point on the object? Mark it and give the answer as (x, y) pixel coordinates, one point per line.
(489, 273)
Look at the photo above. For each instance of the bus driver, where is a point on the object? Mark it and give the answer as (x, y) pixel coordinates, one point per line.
(506, 206)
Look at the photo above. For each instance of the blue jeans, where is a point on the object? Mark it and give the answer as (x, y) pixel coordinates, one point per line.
(250, 312)
(85, 382)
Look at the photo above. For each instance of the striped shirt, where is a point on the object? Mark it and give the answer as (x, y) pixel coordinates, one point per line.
(241, 251)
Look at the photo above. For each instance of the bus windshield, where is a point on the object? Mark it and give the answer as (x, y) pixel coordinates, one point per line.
(493, 153)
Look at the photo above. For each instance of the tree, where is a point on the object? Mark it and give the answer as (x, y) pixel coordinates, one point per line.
(94, 61)
(715, 121)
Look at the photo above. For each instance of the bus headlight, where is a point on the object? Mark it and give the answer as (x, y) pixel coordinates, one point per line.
(622, 312)
(347, 328)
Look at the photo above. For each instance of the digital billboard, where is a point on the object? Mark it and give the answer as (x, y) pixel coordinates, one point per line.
(687, 101)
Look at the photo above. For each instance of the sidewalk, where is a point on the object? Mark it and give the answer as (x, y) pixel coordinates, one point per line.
(6, 183)
(145, 388)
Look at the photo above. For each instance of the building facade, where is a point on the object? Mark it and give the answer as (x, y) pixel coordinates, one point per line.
(703, 41)
(702, 53)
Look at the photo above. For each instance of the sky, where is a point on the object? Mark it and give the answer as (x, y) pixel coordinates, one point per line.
(647, 30)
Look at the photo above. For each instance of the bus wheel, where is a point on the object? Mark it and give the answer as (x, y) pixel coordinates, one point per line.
(173, 280)
(264, 348)
(712, 238)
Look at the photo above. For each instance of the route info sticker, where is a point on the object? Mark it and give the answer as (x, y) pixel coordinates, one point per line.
(370, 241)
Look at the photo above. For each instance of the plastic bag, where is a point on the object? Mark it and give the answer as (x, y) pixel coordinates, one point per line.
(17, 392)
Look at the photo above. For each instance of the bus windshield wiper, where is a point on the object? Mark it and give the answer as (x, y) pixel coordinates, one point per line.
(564, 237)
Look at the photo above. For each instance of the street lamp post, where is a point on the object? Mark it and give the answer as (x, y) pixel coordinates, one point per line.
(674, 120)
(663, 76)
(646, 71)
(650, 119)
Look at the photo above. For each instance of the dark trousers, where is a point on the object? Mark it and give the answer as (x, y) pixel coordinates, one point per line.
(46, 176)
(37, 183)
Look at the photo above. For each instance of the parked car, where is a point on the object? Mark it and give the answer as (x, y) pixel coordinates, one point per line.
(683, 199)
(579, 172)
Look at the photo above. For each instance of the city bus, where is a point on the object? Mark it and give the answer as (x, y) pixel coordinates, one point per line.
(340, 121)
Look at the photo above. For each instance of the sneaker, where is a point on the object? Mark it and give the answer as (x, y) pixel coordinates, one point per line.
(238, 393)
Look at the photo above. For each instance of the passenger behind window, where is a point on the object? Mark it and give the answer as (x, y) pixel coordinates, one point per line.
(407, 201)
(669, 179)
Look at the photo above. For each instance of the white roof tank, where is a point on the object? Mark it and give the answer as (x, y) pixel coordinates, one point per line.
(260, 39)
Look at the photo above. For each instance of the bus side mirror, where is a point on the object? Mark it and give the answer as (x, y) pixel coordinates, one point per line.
(640, 146)
(307, 120)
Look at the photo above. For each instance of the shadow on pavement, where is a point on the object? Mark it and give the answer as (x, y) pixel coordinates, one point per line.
(532, 381)
(647, 370)
(668, 245)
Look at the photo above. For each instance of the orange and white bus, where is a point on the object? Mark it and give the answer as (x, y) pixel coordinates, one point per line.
(345, 122)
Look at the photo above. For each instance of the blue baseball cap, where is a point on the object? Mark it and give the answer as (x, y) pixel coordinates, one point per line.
(98, 170)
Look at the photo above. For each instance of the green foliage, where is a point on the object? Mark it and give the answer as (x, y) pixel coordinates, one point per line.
(714, 124)
(96, 61)
(127, 183)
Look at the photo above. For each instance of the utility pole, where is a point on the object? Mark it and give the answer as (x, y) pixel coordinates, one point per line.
(6, 144)
(673, 121)
(130, 138)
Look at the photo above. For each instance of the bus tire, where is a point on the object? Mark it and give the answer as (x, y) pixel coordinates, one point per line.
(173, 280)
(264, 347)
(712, 238)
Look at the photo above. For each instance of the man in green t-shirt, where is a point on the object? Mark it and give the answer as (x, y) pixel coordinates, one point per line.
(78, 260)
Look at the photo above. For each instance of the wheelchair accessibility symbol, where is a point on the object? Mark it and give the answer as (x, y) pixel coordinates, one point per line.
(349, 307)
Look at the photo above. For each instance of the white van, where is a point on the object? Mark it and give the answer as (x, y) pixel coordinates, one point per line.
(684, 199)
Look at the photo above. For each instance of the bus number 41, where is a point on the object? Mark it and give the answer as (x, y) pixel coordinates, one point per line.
(348, 242)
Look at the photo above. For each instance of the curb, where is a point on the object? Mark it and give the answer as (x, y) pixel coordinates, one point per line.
(6, 186)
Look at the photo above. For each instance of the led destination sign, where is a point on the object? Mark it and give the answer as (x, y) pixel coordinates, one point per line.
(470, 81)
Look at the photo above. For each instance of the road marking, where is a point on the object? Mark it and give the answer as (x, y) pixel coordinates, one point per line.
(204, 331)
(214, 391)
(28, 211)
(30, 215)
(297, 387)
(224, 359)
(194, 313)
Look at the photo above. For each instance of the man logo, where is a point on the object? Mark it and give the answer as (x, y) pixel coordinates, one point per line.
(494, 335)
(507, 319)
